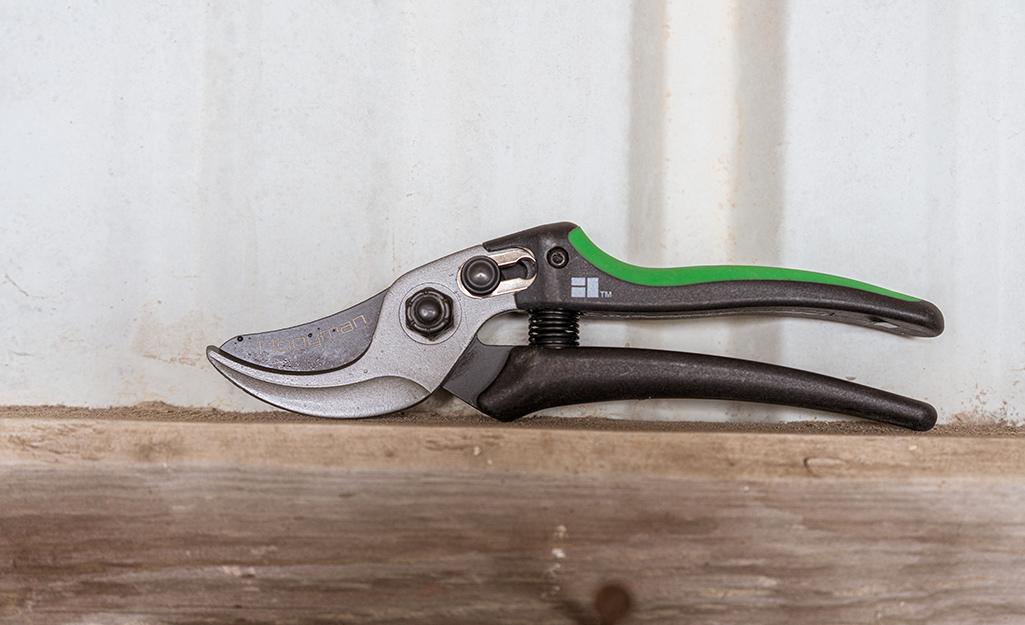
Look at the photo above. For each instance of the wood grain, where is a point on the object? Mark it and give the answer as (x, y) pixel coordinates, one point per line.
(152, 522)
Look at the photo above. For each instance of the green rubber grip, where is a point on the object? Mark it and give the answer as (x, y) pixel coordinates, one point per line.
(683, 276)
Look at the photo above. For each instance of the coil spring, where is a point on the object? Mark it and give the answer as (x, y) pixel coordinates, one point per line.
(554, 328)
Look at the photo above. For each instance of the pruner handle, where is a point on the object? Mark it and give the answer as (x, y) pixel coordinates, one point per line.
(574, 274)
(536, 378)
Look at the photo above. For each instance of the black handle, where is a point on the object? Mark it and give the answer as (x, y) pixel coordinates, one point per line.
(535, 378)
(573, 274)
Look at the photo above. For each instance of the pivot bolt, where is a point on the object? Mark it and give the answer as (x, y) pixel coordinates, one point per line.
(429, 312)
(557, 257)
(480, 276)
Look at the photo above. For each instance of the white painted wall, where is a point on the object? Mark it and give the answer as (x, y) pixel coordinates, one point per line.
(171, 176)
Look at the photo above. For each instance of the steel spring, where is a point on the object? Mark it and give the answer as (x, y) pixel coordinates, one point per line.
(554, 328)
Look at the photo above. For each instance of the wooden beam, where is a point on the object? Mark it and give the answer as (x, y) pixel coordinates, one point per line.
(116, 521)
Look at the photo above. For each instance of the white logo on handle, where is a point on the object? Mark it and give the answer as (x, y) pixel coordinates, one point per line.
(584, 287)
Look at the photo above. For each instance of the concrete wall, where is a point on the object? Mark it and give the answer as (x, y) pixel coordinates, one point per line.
(175, 175)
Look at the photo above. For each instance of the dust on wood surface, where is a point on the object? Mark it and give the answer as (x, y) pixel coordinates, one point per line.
(157, 411)
(809, 450)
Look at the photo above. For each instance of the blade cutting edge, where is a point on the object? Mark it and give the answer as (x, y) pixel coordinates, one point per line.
(373, 397)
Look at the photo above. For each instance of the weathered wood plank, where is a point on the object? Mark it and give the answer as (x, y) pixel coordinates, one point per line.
(550, 451)
(117, 522)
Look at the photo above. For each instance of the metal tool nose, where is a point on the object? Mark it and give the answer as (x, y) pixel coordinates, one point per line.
(367, 398)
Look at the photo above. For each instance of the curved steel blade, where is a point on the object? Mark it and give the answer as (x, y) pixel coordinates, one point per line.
(321, 345)
(395, 369)
(375, 396)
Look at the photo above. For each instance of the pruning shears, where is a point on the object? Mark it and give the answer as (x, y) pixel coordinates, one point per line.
(397, 348)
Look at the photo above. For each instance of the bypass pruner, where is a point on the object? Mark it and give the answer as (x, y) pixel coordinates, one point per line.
(393, 350)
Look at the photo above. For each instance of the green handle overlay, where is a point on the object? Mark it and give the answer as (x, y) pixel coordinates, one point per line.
(682, 276)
